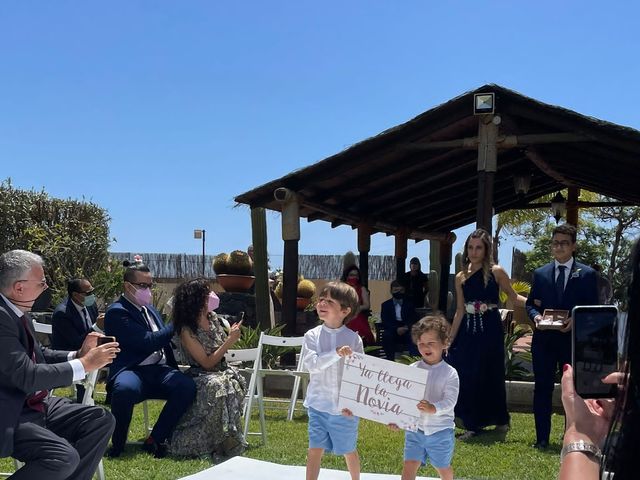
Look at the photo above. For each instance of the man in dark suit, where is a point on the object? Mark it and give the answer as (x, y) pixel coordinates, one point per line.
(559, 285)
(56, 439)
(398, 316)
(73, 319)
(146, 367)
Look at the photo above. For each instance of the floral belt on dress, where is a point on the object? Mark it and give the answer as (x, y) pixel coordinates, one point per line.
(475, 313)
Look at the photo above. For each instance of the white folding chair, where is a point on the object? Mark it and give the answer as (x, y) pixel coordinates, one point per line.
(297, 374)
(249, 355)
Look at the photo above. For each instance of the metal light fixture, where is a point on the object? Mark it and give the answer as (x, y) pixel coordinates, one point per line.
(200, 234)
(558, 206)
(484, 103)
(521, 184)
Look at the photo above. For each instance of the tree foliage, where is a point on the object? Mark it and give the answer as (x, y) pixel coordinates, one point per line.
(605, 235)
(71, 235)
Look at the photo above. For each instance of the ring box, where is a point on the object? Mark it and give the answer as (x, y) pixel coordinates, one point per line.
(553, 319)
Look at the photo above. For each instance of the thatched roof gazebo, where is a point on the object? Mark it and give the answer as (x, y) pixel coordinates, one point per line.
(483, 152)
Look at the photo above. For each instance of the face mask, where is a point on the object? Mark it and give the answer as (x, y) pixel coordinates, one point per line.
(213, 302)
(41, 303)
(354, 282)
(398, 295)
(89, 300)
(143, 296)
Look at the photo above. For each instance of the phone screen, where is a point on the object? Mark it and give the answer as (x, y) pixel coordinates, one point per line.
(594, 349)
(103, 340)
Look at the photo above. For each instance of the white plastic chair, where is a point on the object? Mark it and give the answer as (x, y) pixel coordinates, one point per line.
(298, 374)
(244, 355)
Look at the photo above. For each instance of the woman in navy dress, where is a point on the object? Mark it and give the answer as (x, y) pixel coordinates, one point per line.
(477, 349)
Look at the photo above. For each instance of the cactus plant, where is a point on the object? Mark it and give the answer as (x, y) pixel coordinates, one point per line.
(306, 289)
(239, 263)
(220, 263)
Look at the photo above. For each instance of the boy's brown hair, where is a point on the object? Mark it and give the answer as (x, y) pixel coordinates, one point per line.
(437, 323)
(345, 295)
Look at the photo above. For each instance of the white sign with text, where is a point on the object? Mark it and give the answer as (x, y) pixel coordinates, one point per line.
(382, 391)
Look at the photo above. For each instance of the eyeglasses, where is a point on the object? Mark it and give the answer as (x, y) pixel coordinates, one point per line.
(143, 285)
(41, 283)
(88, 292)
(561, 243)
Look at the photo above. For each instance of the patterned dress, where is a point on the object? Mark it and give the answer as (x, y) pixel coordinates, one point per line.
(212, 425)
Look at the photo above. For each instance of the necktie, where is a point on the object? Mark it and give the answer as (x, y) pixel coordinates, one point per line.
(560, 283)
(34, 401)
(87, 320)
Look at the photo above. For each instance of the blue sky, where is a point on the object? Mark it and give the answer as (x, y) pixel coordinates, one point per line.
(162, 112)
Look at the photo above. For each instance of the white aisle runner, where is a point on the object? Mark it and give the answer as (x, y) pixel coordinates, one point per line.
(241, 468)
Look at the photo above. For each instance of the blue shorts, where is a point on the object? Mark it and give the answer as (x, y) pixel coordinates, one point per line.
(436, 448)
(337, 434)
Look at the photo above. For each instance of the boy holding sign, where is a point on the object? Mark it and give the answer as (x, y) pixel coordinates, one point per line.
(325, 347)
(434, 439)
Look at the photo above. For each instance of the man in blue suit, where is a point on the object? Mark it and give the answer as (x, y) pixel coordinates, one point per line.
(561, 285)
(145, 367)
(73, 319)
(398, 316)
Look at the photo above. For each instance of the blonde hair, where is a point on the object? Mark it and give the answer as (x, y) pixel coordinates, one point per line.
(487, 261)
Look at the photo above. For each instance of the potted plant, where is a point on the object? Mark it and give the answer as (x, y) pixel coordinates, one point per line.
(233, 271)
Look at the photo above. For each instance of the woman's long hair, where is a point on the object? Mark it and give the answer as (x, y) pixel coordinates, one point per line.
(189, 299)
(487, 261)
(622, 448)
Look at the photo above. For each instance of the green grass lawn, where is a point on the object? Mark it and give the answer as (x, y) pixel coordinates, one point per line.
(485, 457)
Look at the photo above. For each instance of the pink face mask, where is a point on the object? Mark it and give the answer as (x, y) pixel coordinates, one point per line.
(214, 301)
(143, 296)
(353, 281)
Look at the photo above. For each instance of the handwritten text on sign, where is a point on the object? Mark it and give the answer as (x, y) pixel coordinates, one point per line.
(382, 391)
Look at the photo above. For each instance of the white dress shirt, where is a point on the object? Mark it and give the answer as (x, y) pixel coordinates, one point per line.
(567, 270)
(325, 365)
(441, 391)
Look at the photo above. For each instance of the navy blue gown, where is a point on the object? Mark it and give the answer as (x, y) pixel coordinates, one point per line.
(478, 355)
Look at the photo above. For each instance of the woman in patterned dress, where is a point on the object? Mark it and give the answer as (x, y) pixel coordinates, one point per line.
(212, 425)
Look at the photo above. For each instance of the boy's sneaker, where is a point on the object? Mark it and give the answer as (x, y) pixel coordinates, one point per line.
(158, 450)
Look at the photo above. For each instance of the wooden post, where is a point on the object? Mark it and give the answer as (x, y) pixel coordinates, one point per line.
(487, 166)
(260, 266)
(291, 236)
(400, 252)
(364, 246)
(446, 247)
(572, 205)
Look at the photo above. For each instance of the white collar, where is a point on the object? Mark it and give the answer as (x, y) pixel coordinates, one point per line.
(15, 309)
(568, 264)
(333, 331)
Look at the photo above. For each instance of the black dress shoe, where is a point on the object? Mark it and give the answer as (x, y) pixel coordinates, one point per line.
(158, 450)
(114, 452)
(541, 445)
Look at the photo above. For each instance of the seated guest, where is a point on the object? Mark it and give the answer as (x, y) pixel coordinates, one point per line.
(73, 319)
(398, 315)
(54, 438)
(212, 425)
(146, 367)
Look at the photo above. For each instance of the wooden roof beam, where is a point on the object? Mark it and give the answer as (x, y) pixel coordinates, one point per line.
(544, 166)
(502, 141)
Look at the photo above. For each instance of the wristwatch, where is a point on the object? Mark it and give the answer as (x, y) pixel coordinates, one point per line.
(589, 449)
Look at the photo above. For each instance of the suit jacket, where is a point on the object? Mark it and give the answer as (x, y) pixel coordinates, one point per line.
(581, 289)
(69, 328)
(388, 315)
(124, 321)
(20, 376)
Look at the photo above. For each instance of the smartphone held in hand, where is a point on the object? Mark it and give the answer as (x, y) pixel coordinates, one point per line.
(106, 339)
(594, 349)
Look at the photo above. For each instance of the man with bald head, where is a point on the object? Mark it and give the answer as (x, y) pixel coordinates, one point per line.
(56, 439)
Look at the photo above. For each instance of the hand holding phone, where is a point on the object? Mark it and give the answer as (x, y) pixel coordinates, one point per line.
(105, 339)
(594, 349)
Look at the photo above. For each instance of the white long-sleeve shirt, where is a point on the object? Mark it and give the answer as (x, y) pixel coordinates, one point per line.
(442, 391)
(325, 365)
